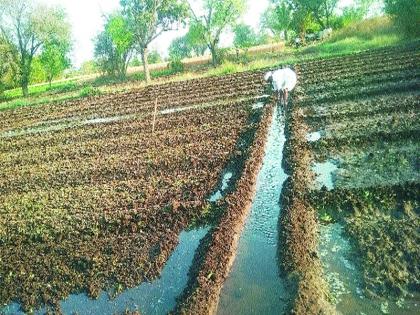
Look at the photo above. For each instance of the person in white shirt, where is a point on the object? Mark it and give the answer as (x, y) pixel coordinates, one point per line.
(283, 81)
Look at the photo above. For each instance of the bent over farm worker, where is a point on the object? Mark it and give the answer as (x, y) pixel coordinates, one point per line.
(283, 80)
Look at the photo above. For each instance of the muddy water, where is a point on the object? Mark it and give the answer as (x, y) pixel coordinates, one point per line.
(157, 297)
(254, 285)
(345, 279)
(325, 174)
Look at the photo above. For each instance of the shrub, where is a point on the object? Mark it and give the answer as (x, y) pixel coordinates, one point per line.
(89, 90)
(406, 15)
(63, 88)
(176, 65)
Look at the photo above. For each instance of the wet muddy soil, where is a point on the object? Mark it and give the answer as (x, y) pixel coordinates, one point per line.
(254, 285)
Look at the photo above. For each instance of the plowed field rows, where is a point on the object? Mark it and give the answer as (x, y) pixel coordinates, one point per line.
(99, 205)
(366, 110)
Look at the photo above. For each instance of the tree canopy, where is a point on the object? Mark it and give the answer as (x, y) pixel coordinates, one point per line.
(114, 46)
(245, 36)
(27, 27)
(278, 18)
(148, 19)
(406, 14)
(218, 16)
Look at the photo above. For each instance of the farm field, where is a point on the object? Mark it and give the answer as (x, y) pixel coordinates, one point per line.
(92, 198)
(105, 194)
(354, 179)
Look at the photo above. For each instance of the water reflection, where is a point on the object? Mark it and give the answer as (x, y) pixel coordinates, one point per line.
(254, 285)
(345, 279)
(156, 297)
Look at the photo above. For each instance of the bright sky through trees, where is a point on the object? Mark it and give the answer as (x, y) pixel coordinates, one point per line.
(86, 19)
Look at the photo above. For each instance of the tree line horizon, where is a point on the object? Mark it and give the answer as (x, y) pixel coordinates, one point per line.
(35, 37)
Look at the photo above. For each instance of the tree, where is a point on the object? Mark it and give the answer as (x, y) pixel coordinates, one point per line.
(278, 18)
(154, 57)
(218, 16)
(406, 15)
(245, 36)
(180, 49)
(54, 59)
(148, 19)
(321, 10)
(27, 27)
(114, 47)
(8, 66)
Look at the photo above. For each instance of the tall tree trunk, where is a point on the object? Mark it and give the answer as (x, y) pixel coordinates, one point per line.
(144, 56)
(214, 59)
(25, 72)
(24, 83)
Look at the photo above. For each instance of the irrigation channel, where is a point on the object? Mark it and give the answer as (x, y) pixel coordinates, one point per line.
(254, 285)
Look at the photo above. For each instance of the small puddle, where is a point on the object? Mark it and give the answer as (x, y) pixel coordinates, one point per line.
(225, 184)
(39, 129)
(177, 109)
(315, 136)
(344, 278)
(104, 120)
(325, 174)
(258, 105)
(157, 297)
(254, 285)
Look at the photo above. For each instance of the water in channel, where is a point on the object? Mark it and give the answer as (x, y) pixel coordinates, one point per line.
(156, 297)
(254, 285)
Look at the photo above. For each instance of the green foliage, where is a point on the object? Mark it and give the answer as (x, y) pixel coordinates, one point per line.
(352, 14)
(364, 30)
(54, 59)
(245, 36)
(225, 68)
(406, 15)
(180, 48)
(367, 34)
(147, 19)
(322, 11)
(176, 65)
(8, 66)
(114, 47)
(88, 67)
(135, 62)
(89, 90)
(218, 16)
(278, 18)
(38, 74)
(154, 57)
(27, 28)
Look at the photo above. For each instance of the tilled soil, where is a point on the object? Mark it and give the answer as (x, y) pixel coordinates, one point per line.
(366, 108)
(99, 206)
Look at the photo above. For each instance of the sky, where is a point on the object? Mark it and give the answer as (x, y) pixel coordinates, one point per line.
(86, 19)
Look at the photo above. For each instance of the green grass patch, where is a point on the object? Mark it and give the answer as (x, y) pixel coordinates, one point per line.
(367, 34)
(35, 90)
